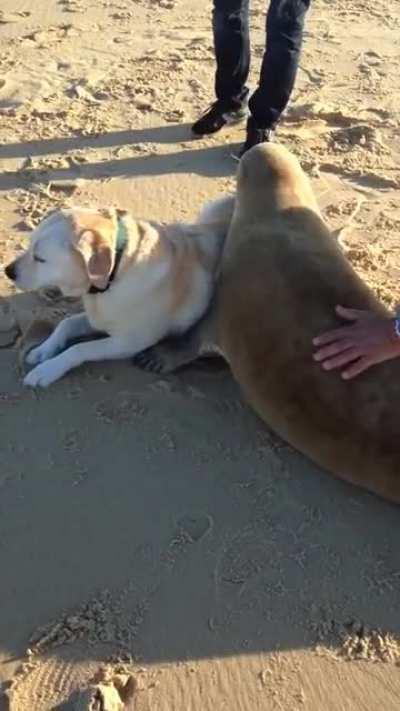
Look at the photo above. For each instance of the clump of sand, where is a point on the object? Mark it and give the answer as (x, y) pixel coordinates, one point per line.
(110, 690)
(360, 643)
(355, 641)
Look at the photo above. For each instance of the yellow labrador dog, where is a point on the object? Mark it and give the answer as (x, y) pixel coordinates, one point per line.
(282, 275)
(139, 281)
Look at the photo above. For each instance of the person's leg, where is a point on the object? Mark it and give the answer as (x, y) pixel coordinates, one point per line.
(285, 24)
(232, 53)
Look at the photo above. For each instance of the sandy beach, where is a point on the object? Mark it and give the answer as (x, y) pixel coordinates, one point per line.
(160, 549)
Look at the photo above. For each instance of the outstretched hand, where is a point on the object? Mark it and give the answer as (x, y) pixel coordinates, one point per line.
(370, 339)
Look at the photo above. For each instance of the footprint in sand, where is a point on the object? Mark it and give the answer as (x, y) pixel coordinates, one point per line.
(196, 526)
(368, 181)
(245, 556)
(71, 6)
(10, 17)
(18, 91)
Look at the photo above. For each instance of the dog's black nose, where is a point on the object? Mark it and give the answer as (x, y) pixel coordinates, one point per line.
(11, 271)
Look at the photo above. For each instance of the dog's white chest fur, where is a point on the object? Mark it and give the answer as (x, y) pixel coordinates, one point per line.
(130, 303)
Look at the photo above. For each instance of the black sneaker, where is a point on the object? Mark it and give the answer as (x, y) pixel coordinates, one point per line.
(255, 135)
(216, 117)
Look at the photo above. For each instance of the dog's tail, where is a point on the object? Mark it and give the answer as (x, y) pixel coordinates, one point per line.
(218, 211)
(212, 227)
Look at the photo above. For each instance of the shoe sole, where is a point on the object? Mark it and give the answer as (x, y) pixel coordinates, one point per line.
(230, 120)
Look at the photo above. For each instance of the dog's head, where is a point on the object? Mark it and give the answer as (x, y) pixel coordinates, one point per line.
(71, 249)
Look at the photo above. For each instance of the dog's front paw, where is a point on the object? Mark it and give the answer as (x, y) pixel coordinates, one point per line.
(162, 358)
(36, 355)
(43, 375)
(42, 353)
(147, 360)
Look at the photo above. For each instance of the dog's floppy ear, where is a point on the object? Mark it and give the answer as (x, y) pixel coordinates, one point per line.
(99, 257)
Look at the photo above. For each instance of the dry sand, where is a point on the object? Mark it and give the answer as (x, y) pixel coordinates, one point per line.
(159, 548)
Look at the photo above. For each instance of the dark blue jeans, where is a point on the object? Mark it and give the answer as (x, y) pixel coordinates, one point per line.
(285, 23)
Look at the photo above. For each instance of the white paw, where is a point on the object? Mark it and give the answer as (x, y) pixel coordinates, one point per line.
(43, 375)
(40, 354)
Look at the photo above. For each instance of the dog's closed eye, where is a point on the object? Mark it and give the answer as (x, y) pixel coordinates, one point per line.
(38, 259)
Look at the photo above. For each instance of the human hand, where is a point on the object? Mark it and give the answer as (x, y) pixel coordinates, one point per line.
(369, 340)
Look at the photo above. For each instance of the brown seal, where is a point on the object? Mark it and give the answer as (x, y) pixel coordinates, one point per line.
(282, 275)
